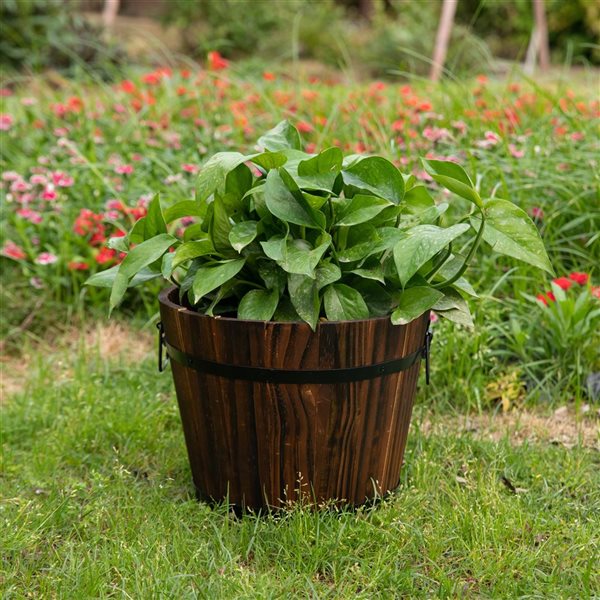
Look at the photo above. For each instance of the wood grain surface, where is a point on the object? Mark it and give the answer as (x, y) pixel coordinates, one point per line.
(264, 444)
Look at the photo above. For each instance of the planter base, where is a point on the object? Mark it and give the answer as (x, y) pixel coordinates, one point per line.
(262, 444)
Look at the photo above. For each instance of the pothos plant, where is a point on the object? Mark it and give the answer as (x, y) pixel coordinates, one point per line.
(288, 236)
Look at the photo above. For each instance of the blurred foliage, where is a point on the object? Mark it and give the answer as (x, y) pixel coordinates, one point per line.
(401, 38)
(39, 34)
(262, 27)
(573, 26)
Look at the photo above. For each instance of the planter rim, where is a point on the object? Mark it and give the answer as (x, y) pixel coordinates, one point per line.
(164, 298)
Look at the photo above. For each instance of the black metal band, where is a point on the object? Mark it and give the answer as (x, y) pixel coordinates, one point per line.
(263, 374)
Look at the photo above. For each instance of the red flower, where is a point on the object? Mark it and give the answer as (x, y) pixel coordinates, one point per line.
(216, 62)
(128, 87)
(11, 250)
(268, 76)
(105, 255)
(304, 127)
(563, 283)
(542, 299)
(580, 278)
(76, 265)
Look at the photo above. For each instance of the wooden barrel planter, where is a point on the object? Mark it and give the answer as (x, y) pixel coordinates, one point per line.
(273, 412)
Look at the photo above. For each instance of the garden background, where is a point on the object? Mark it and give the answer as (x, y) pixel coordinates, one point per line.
(500, 490)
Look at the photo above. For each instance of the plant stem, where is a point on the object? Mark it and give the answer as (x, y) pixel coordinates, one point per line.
(468, 259)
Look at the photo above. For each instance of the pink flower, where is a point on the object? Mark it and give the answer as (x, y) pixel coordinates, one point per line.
(5, 92)
(461, 126)
(189, 168)
(515, 152)
(11, 250)
(49, 194)
(6, 122)
(577, 136)
(46, 258)
(30, 215)
(490, 140)
(62, 179)
(124, 169)
(10, 176)
(19, 186)
(537, 213)
(434, 134)
(38, 180)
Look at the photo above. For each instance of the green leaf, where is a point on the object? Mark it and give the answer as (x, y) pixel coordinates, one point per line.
(191, 250)
(300, 258)
(378, 299)
(377, 176)
(374, 273)
(420, 244)
(166, 267)
(283, 135)
(242, 234)
(449, 269)
(414, 302)
(238, 182)
(284, 205)
(136, 234)
(194, 231)
(454, 178)
(220, 226)
(258, 305)
(320, 171)
(209, 278)
(453, 307)
(342, 303)
(361, 209)
(105, 279)
(213, 173)
(305, 298)
(510, 231)
(275, 248)
(184, 208)
(269, 160)
(141, 256)
(155, 222)
(327, 273)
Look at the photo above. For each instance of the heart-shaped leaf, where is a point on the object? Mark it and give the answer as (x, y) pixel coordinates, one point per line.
(242, 234)
(454, 178)
(414, 302)
(305, 298)
(343, 303)
(376, 175)
(510, 231)
(212, 276)
(420, 244)
(362, 209)
(283, 135)
(258, 305)
(191, 250)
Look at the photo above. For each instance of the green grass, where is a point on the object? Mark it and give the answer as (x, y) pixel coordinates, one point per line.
(98, 502)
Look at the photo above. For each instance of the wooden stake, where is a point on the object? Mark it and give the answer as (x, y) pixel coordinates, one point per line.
(442, 39)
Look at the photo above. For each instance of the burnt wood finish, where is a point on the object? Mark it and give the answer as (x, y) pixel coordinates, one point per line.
(263, 444)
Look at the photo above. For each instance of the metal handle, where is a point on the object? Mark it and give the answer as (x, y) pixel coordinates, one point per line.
(426, 354)
(161, 344)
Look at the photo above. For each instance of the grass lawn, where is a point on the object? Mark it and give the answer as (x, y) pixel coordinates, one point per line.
(97, 501)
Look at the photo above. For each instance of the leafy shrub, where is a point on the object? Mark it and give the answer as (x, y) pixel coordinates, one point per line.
(557, 346)
(286, 235)
(37, 34)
